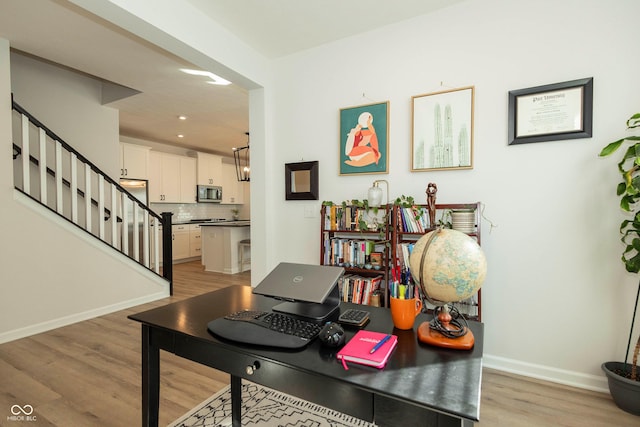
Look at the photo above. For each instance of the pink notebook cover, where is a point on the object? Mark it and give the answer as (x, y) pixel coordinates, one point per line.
(358, 349)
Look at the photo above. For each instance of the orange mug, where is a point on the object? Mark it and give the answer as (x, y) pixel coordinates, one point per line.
(404, 312)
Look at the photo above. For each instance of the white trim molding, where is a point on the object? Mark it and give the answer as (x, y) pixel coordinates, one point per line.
(546, 373)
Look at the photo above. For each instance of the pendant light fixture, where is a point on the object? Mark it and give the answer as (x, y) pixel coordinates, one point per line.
(241, 159)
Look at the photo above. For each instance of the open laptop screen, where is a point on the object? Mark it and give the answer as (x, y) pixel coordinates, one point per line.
(300, 282)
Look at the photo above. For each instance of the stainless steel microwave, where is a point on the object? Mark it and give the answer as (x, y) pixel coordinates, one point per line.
(209, 194)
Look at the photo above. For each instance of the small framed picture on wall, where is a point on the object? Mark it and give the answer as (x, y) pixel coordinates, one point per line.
(551, 112)
(442, 137)
(364, 139)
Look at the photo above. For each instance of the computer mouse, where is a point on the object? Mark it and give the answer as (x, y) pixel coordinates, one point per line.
(331, 335)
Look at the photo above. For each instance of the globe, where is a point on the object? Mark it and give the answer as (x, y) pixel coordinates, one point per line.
(448, 265)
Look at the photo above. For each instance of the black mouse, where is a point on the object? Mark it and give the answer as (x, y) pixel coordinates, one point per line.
(332, 335)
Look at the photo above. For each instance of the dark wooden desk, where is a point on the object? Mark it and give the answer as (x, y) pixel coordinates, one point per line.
(420, 385)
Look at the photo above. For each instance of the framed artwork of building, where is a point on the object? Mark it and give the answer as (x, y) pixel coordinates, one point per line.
(442, 134)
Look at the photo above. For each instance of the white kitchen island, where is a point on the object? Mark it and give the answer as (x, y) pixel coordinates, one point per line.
(220, 245)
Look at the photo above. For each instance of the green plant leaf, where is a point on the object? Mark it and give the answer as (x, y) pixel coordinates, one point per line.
(611, 148)
(634, 121)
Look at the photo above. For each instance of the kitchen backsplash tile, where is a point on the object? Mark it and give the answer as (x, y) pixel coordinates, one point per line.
(189, 211)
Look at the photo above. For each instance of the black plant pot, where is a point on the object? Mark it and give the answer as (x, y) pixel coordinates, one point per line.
(625, 393)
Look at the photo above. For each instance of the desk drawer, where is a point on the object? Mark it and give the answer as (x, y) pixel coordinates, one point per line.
(315, 388)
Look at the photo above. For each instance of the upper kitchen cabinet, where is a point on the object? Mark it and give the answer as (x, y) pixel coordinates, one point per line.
(172, 178)
(134, 161)
(187, 179)
(209, 169)
(232, 189)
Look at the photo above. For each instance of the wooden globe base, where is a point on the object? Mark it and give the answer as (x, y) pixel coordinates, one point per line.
(429, 336)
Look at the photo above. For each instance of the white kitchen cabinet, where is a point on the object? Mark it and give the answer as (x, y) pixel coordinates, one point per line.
(134, 161)
(209, 169)
(195, 240)
(185, 242)
(232, 189)
(180, 238)
(172, 178)
(187, 180)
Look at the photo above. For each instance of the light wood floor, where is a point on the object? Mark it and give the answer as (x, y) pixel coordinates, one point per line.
(88, 374)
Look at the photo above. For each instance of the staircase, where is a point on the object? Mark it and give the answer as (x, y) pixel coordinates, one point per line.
(54, 174)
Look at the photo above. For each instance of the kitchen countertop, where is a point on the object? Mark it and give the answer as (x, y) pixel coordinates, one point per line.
(208, 221)
(238, 223)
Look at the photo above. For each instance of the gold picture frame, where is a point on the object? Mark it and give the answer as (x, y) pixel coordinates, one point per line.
(442, 130)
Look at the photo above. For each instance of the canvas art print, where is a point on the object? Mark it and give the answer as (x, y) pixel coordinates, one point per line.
(443, 130)
(364, 139)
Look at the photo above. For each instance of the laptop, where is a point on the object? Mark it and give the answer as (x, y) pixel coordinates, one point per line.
(300, 282)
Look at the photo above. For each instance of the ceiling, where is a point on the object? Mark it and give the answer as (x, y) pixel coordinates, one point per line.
(217, 116)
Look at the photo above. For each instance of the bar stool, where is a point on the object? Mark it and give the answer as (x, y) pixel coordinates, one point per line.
(242, 245)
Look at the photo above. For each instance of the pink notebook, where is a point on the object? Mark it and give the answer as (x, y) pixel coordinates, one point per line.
(358, 349)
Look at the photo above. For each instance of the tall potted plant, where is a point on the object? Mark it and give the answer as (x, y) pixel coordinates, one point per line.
(624, 378)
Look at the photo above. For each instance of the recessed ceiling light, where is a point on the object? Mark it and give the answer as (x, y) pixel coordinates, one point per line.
(180, 135)
(215, 80)
(182, 117)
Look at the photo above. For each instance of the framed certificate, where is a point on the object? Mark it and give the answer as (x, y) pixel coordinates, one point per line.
(551, 112)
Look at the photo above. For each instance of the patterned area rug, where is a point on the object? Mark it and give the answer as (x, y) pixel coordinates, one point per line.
(265, 407)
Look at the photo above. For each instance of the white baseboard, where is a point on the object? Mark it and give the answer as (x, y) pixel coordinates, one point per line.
(546, 373)
(78, 317)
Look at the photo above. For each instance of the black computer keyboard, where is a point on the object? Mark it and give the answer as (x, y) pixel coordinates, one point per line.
(265, 328)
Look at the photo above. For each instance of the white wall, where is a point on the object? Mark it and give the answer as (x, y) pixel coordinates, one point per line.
(556, 302)
(52, 273)
(51, 94)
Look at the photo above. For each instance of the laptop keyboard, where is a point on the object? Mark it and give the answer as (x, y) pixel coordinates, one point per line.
(265, 328)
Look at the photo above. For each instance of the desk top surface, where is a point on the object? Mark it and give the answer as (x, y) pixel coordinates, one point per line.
(441, 379)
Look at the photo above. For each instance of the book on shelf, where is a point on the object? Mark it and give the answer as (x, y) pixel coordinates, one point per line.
(358, 289)
(343, 218)
(358, 349)
(346, 251)
(414, 219)
(403, 254)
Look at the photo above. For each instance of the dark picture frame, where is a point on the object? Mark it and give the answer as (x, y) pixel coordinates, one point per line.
(551, 112)
(301, 180)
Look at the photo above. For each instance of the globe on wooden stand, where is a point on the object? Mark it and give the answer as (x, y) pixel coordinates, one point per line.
(448, 266)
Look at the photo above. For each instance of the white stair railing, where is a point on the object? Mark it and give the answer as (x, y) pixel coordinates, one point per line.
(51, 172)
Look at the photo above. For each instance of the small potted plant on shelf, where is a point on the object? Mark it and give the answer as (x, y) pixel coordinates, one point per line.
(624, 378)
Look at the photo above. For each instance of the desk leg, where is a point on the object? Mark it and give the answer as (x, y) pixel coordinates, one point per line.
(236, 401)
(150, 379)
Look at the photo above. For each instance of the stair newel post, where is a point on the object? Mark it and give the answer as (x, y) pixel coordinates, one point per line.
(167, 250)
